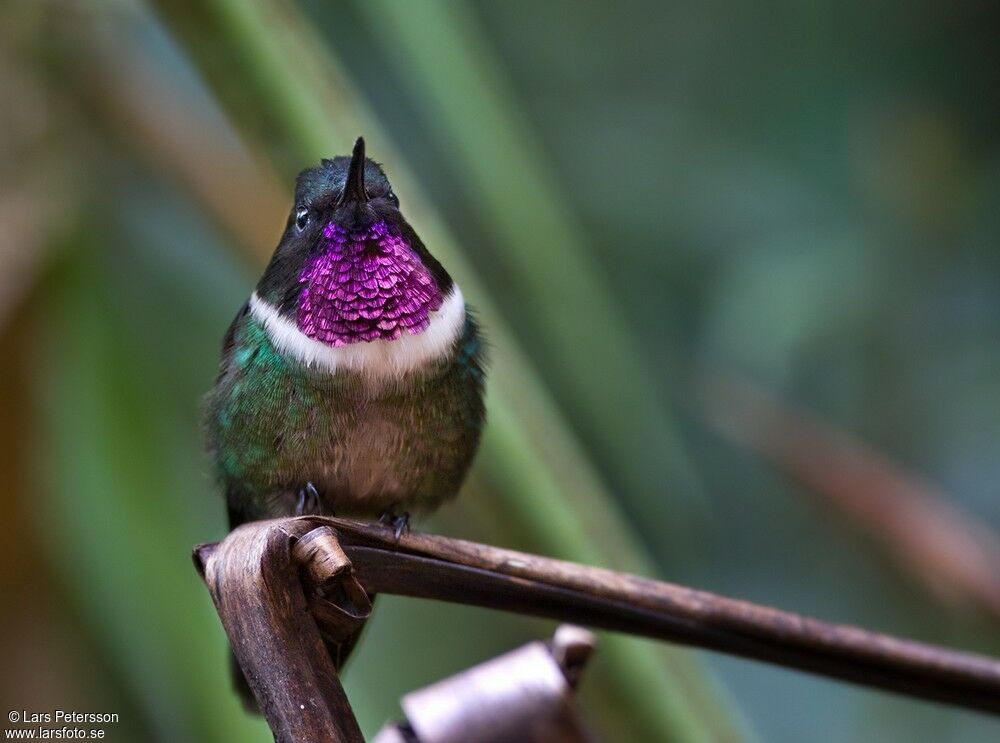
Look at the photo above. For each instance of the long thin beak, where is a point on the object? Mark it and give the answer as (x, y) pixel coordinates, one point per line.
(354, 189)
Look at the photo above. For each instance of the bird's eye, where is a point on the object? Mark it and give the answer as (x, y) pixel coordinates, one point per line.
(391, 195)
(301, 218)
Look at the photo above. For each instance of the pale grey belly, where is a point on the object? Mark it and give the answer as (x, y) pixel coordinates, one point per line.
(369, 470)
(384, 458)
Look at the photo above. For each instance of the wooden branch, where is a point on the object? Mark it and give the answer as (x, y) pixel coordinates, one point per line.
(524, 695)
(256, 577)
(435, 567)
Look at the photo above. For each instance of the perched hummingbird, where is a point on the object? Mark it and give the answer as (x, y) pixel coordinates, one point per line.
(351, 381)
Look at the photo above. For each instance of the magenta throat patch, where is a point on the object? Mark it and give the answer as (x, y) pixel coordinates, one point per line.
(365, 286)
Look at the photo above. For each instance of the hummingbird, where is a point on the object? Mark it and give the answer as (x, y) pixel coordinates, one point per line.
(351, 381)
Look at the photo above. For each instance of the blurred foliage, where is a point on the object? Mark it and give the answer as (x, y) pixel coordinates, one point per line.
(807, 193)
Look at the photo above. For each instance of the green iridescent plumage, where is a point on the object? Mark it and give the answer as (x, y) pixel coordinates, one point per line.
(275, 425)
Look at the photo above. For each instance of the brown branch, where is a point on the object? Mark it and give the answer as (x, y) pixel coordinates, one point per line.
(524, 695)
(254, 579)
(935, 542)
(435, 567)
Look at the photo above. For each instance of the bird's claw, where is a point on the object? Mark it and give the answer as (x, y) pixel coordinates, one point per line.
(309, 501)
(399, 523)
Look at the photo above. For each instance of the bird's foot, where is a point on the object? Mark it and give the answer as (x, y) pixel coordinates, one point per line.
(399, 523)
(309, 501)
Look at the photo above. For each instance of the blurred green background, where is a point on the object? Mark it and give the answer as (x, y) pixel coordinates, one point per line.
(638, 196)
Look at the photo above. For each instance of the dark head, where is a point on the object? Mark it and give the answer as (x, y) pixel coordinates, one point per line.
(349, 268)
